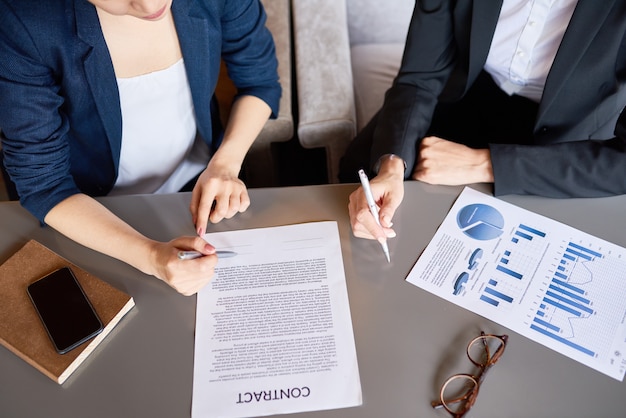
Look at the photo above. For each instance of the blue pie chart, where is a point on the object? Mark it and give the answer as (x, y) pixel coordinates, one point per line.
(459, 283)
(480, 221)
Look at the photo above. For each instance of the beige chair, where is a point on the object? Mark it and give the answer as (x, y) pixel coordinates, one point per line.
(347, 53)
(260, 167)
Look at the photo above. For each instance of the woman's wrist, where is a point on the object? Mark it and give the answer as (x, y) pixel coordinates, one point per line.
(390, 164)
(221, 164)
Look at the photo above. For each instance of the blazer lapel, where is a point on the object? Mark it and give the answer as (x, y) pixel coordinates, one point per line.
(100, 74)
(474, 25)
(588, 18)
(485, 16)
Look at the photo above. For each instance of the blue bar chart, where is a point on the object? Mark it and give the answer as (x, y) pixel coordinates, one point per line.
(548, 281)
(517, 261)
(566, 300)
(493, 296)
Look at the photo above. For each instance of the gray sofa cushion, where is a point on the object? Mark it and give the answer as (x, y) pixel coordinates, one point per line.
(378, 21)
(325, 31)
(374, 66)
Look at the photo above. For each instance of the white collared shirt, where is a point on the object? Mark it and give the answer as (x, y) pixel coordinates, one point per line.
(525, 42)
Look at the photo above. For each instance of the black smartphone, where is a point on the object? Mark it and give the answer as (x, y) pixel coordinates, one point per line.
(67, 314)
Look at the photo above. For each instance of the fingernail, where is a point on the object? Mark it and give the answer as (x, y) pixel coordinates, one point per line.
(200, 232)
(391, 234)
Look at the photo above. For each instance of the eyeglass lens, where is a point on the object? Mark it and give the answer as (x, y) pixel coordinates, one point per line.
(459, 392)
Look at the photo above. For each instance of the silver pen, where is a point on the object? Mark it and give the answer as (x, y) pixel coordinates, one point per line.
(190, 255)
(373, 208)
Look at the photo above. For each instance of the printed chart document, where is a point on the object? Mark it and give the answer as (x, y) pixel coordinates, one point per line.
(273, 328)
(545, 280)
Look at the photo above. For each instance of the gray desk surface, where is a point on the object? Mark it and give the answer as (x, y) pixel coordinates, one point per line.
(408, 341)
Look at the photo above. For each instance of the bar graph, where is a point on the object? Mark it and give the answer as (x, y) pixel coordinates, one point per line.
(493, 295)
(566, 313)
(510, 272)
(523, 253)
(548, 281)
(514, 266)
(531, 230)
(527, 233)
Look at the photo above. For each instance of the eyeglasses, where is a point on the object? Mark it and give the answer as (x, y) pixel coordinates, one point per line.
(459, 392)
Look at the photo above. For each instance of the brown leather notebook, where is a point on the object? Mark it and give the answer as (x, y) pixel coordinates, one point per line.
(21, 329)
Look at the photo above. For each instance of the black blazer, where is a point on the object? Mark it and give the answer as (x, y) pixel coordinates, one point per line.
(576, 151)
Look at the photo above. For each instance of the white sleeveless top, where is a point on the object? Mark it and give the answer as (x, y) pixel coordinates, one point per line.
(161, 150)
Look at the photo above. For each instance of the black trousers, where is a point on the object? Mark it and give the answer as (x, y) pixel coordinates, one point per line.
(484, 115)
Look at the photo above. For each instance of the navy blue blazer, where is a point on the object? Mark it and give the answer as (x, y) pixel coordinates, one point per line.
(59, 104)
(575, 151)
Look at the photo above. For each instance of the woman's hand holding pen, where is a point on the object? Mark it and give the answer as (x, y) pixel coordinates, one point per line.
(388, 191)
(185, 276)
(110, 235)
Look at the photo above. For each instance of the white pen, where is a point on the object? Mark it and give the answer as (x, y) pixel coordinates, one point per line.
(373, 208)
(190, 255)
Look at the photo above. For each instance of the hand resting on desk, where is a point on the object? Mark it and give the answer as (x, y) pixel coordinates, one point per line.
(449, 163)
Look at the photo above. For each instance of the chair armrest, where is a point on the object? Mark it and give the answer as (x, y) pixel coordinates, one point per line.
(323, 78)
(279, 24)
(261, 167)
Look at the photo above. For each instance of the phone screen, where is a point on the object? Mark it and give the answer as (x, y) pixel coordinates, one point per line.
(67, 314)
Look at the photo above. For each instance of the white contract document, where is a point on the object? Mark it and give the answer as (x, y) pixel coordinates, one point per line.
(273, 328)
(543, 279)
